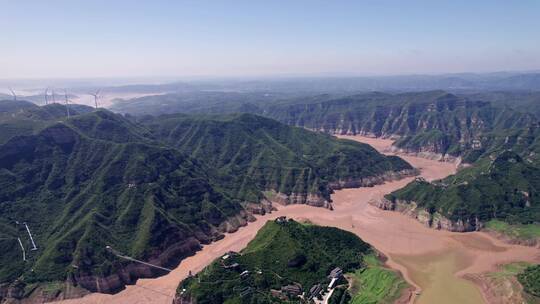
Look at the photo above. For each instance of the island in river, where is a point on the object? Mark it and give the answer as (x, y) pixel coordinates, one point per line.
(435, 262)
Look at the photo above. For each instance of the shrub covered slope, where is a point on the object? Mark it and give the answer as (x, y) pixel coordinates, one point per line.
(100, 179)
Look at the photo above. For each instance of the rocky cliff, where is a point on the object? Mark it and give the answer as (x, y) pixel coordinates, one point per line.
(433, 220)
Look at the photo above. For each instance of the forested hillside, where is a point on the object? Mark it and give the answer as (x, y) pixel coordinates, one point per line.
(474, 128)
(154, 189)
(287, 259)
(249, 148)
(435, 122)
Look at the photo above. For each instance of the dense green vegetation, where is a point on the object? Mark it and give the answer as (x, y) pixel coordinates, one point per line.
(501, 141)
(432, 121)
(248, 148)
(79, 194)
(477, 126)
(504, 188)
(530, 279)
(281, 254)
(24, 118)
(153, 189)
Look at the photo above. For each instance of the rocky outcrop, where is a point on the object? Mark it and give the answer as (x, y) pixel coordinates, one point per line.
(433, 220)
(20, 293)
(373, 180)
(318, 200)
(82, 283)
(427, 153)
(311, 199)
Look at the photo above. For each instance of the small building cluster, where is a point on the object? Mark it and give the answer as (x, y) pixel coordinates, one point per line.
(314, 291)
(281, 219)
(476, 144)
(226, 260)
(317, 290)
(336, 273)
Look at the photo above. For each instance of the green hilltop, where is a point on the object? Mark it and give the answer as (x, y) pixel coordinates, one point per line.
(287, 259)
(503, 188)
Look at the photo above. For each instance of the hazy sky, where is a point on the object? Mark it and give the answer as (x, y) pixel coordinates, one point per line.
(90, 38)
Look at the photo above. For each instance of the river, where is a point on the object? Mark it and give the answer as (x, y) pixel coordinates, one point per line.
(430, 260)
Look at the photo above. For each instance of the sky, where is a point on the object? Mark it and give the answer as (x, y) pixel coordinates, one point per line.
(81, 38)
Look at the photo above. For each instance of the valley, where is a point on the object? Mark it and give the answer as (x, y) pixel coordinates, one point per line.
(435, 262)
(270, 152)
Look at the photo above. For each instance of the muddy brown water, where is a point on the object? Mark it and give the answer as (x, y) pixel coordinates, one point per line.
(432, 261)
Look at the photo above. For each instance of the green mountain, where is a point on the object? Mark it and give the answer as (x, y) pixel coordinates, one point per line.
(433, 122)
(18, 117)
(262, 154)
(437, 124)
(100, 179)
(284, 260)
(503, 187)
(474, 127)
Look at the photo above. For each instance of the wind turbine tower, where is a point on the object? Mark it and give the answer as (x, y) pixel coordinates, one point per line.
(96, 97)
(67, 103)
(46, 96)
(13, 93)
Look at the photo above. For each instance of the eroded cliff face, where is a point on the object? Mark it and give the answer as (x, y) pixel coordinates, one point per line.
(441, 126)
(81, 284)
(320, 201)
(15, 294)
(432, 220)
(374, 180)
(427, 153)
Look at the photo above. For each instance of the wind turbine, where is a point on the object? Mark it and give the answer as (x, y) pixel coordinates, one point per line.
(67, 103)
(96, 97)
(13, 93)
(46, 96)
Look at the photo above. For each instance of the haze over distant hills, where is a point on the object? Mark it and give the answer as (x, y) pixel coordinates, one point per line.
(182, 163)
(529, 80)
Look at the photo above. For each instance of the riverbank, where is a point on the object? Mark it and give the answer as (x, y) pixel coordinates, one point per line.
(407, 243)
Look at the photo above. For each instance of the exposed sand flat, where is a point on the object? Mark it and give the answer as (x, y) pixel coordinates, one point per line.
(431, 260)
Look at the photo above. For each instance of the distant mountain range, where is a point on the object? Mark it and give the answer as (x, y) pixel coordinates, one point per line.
(500, 81)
